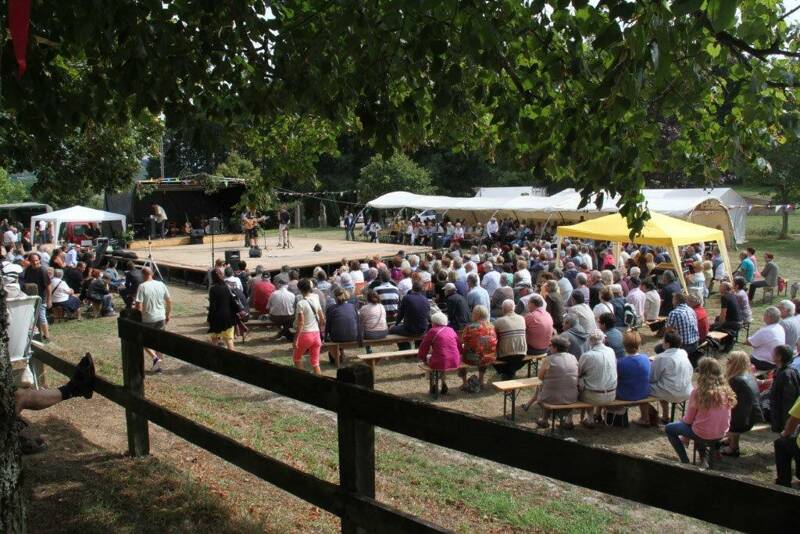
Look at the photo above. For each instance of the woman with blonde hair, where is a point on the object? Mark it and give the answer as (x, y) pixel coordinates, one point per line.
(747, 411)
(708, 411)
(696, 282)
(649, 262)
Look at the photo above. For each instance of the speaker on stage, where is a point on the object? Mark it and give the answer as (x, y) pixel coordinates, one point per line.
(213, 226)
(255, 252)
(232, 258)
(196, 236)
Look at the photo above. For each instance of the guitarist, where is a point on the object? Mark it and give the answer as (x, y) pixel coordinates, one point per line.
(250, 220)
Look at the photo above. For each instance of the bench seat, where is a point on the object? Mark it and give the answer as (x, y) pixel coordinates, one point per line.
(374, 358)
(510, 388)
(556, 408)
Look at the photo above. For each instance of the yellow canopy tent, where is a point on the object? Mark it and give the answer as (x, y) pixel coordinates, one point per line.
(659, 231)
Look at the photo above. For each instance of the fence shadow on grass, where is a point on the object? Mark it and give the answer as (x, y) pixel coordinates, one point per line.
(76, 486)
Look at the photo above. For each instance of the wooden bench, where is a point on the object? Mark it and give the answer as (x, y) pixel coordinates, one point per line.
(374, 358)
(510, 388)
(557, 410)
(435, 375)
(391, 339)
(717, 337)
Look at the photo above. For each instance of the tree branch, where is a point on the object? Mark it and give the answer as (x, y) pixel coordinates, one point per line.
(788, 13)
(739, 45)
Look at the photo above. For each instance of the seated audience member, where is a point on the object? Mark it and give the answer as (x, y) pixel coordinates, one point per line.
(696, 281)
(559, 375)
(636, 297)
(730, 317)
(604, 306)
(458, 314)
(73, 277)
(708, 410)
(440, 348)
(477, 295)
(618, 303)
(538, 326)
(747, 411)
(787, 448)
(597, 376)
(478, 345)
(765, 339)
(670, 376)
(613, 334)
(583, 312)
(683, 320)
(281, 306)
(412, 316)
(769, 276)
(99, 292)
(231, 280)
(341, 322)
(652, 304)
(502, 293)
(387, 291)
(581, 282)
(701, 315)
(554, 304)
(372, 318)
(743, 300)
(63, 296)
(404, 285)
(511, 342)
(133, 279)
(564, 286)
(578, 337)
(785, 388)
(746, 268)
(670, 287)
(261, 291)
(633, 371)
(790, 322)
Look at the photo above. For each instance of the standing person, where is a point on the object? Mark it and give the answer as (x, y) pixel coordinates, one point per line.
(35, 273)
(787, 448)
(160, 217)
(785, 388)
(349, 224)
(284, 219)
(221, 320)
(154, 301)
(708, 411)
(309, 322)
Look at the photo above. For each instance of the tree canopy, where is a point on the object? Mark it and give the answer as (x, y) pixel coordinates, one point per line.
(604, 94)
(398, 173)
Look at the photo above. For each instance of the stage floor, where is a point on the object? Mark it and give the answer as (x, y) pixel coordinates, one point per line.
(198, 257)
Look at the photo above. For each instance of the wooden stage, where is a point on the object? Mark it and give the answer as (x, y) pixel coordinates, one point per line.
(198, 258)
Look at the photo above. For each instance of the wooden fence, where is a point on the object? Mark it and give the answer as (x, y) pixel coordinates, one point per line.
(707, 495)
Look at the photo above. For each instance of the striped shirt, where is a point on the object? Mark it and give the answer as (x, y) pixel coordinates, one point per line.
(684, 321)
(390, 298)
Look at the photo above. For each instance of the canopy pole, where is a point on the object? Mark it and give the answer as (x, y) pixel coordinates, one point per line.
(723, 250)
(617, 249)
(559, 263)
(541, 234)
(676, 262)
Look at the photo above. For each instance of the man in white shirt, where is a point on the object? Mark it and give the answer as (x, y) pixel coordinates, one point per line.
(766, 339)
(790, 322)
(404, 285)
(652, 302)
(492, 228)
(281, 308)
(637, 298)
(71, 257)
(160, 217)
(491, 278)
(10, 237)
(583, 312)
(154, 301)
(670, 375)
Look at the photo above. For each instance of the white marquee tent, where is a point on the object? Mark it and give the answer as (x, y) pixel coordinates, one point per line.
(720, 208)
(76, 214)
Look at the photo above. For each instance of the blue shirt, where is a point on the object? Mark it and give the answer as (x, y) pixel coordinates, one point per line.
(614, 340)
(747, 270)
(633, 377)
(684, 321)
(478, 295)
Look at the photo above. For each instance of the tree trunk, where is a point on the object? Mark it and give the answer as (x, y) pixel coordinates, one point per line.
(12, 505)
(784, 224)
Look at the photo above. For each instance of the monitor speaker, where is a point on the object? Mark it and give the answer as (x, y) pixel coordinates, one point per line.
(232, 258)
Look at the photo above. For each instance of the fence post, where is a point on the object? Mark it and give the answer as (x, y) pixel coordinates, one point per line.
(133, 382)
(356, 445)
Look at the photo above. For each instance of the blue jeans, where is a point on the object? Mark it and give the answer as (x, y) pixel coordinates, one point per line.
(674, 432)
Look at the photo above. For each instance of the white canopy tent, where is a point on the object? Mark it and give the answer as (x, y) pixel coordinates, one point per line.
(76, 214)
(720, 208)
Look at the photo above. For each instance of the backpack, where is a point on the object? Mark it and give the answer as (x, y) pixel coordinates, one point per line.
(631, 319)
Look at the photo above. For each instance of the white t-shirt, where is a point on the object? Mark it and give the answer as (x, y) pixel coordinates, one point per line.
(60, 290)
(356, 276)
(765, 340)
(404, 286)
(160, 214)
(152, 296)
(237, 283)
(310, 321)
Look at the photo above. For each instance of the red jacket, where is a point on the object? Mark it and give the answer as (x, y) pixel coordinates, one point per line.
(702, 322)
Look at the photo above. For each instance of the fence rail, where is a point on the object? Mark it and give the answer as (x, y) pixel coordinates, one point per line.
(750, 506)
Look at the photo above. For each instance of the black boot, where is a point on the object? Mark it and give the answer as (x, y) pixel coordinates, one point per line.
(82, 382)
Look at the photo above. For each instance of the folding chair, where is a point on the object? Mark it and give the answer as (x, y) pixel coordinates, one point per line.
(22, 313)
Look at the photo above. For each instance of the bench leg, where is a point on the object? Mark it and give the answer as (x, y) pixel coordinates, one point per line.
(505, 404)
(513, 404)
(530, 364)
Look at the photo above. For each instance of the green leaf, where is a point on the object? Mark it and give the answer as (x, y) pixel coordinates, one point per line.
(722, 13)
(713, 48)
(610, 35)
(684, 7)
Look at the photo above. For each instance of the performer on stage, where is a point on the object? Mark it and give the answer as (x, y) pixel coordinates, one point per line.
(284, 219)
(250, 220)
(161, 219)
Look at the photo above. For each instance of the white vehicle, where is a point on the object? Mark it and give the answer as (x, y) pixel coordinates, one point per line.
(428, 215)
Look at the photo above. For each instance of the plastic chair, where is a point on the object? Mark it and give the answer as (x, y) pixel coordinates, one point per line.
(21, 322)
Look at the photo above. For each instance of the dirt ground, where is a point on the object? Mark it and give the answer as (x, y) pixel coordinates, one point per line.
(83, 482)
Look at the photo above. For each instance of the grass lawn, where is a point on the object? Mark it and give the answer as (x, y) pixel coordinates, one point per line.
(85, 483)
